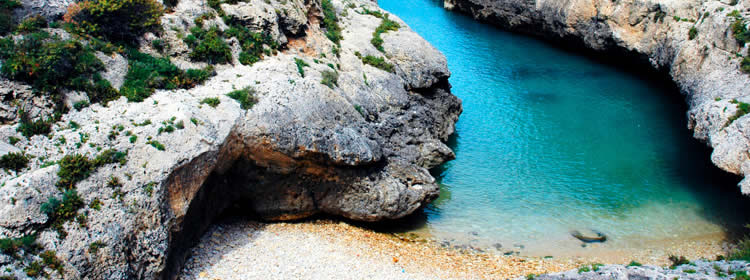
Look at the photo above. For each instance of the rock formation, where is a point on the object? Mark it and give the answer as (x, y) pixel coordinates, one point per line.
(359, 146)
(690, 40)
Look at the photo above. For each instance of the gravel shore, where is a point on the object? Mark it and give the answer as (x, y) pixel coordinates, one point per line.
(325, 249)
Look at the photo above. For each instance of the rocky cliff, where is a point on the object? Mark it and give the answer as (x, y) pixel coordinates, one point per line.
(348, 128)
(695, 41)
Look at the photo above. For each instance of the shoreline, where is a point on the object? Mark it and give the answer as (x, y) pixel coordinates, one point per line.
(319, 248)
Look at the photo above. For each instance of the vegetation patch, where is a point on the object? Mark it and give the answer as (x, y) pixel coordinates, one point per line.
(11, 246)
(252, 44)
(635, 263)
(331, 22)
(50, 64)
(61, 210)
(6, 15)
(147, 73)
(739, 29)
(330, 78)
(14, 161)
(742, 109)
(76, 168)
(301, 64)
(208, 45)
(692, 33)
(118, 21)
(244, 96)
(385, 26)
(378, 62)
(211, 101)
(32, 24)
(677, 261)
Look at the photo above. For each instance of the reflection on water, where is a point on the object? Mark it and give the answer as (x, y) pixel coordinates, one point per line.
(551, 142)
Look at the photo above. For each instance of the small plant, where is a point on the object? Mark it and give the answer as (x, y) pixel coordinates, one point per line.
(739, 30)
(330, 78)
(95, 246)
(689, 271)
(147, 73)
(14, 161)
(596, 266)
(634, 263)
(11, 246)
(584, 269)
(6, 15)
(73, 169)
(210, 46)
(49, 258)
(359, 110)
(110, 156)
(156, 145)
(742, 109)
(120, 21)
(330, 22)
(677, 261)
(96, 204)
(59, 211)
(32, 24)
(35, 269)
(531, 276)
(385, 26)
(300, 66)
(158, 45)
(692, 33)
(211, 101)
(378, 62)
(244, 97)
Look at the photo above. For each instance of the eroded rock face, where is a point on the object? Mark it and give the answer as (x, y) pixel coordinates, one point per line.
(360, 149)
(654, 32)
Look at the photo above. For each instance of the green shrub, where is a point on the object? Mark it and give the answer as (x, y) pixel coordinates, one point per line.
(35, 270)
(330, 78)
(634, 263)
(6, 15)
(378, 62)
(244, 96)
(11, 246)
(95, 246)
(211, 101)
(158, 45)
(61, 210)
(156, 145)
(677, 261)
(692, 33)
(147, 73)
(51, 64)
(739, 30)
(745, 64)
(330, 22)
(251, 43)
(50, 260)
(75, 168)
(14, 161)
(32, 24)
(28, 127)
(110, 156)
(211, 47)
(300, 66)
(120, 21)
(385, 26)
(742, 109)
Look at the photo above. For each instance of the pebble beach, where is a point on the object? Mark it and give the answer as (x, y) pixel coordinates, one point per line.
(326, 249)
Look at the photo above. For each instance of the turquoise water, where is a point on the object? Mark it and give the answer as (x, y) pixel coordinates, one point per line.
(551, 141)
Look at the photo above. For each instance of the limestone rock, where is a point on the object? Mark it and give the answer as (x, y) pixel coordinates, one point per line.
(360, 148)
